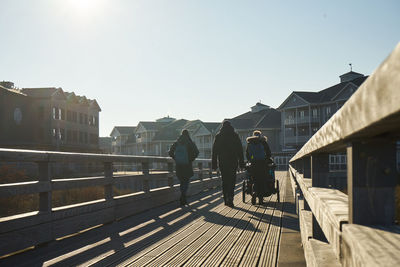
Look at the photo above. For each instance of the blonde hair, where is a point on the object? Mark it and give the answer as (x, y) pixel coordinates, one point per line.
(257, 133)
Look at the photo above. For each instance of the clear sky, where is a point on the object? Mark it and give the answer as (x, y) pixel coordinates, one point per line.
(204, 59)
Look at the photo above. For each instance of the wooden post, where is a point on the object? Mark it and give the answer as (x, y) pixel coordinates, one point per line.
(371, 179)
(319, 177)
(45, 176)
(307, 167)
(146, 182)
(108, 175)
(210, 169)
(200, 166)
(170, 174)
(145, 168)
(319, 170)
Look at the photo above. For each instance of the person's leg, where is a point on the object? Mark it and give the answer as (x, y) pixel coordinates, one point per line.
(184, 185)
(232, 183)
(225, 185)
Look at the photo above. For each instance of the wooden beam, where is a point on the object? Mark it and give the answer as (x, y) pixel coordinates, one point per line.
(371, 178)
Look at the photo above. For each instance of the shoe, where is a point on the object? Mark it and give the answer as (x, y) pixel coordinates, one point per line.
(260, 200)
(183, 200)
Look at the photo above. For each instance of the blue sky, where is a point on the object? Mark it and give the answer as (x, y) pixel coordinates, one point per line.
(208, 59)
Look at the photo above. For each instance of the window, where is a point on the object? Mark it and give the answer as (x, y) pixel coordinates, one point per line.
(302, 114)
(315, 113)
(69, 115)
(86, 119)
(55, 113)
(328, 110)
(80, 118)
(74, 116)
(60, 114)
(54, 133)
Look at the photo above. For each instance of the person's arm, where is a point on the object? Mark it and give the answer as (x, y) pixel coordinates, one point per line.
(171, 151)
(240, 152)
(215, 152)
(267, 149)
(247, 152)
(195, 151)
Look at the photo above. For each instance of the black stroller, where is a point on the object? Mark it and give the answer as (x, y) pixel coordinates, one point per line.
(268, 184)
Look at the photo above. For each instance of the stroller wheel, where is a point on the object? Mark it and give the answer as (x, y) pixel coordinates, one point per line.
(244, 192)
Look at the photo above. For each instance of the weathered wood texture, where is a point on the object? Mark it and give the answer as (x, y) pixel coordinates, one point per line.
(376, 105)
(206, 232)
(368, 246)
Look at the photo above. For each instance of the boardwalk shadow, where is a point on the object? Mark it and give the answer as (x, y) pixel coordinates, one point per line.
(216, 218)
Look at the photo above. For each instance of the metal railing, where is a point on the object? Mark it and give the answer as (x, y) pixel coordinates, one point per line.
(49, 222)
(359, 228)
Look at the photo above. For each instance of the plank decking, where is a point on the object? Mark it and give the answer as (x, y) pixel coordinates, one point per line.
(204, 233)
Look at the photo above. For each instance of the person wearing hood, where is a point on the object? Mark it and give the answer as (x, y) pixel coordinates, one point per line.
(184, 151)
(227, 154)
(258, 154)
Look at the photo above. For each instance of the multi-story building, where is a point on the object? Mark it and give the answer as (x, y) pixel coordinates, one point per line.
(48, 119)
(267, 120)
(303, 113)
(120, 136)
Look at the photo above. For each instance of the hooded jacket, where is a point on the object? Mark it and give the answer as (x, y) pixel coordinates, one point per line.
(227, 149)
(256, 140)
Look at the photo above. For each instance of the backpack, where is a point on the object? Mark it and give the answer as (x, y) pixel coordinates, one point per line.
(256, 151)
(181, 154)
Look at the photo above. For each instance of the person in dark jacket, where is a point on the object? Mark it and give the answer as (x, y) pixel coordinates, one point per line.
(227, 154)
(184, 151)
(258, 154)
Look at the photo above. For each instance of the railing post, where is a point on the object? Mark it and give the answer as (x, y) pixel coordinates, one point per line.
(108, 175)
(170, 174)
(371, 179)
(319, 170)
(210, 169)
(45, 176)
(319, 175)
(146, 182)
(307, 167)
(200, 166)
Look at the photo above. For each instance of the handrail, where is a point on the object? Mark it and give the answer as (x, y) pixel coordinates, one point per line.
(367, 128)
(32, 228)
(372, 110)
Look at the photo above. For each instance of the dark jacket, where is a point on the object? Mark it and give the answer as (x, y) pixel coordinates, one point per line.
(186, 170)
(227, 149)
(256, 140)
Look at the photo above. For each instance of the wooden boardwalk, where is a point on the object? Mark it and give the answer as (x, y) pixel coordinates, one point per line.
(204, 233)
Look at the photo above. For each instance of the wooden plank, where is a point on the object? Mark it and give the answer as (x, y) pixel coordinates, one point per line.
(368, 246)
(21, 221)
(14, 189)
(236, 253)
(65, 184)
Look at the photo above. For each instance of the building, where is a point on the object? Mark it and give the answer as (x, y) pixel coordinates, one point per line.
(303, 113)
(120, 137)
(48, 119)
(268, 120)
(105, 145)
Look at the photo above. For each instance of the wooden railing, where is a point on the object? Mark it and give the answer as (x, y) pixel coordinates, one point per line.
(48, 223)
(357, 228)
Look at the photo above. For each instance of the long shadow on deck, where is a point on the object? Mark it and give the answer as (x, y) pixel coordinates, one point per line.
(126, 237)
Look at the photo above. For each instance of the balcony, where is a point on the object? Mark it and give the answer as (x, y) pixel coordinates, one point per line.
(295, 140)
(301, 120)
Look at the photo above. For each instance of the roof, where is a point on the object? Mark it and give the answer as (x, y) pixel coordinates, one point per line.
(351, 72)
(44, 92)
(211, 126)
(266, 118)
(153, 125)
(124, 130)
(171, 131)
(11, 90)
(327, 94)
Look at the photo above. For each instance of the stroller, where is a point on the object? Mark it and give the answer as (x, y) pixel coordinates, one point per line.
(250, 186)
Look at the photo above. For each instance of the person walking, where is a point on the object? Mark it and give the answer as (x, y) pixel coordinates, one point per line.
(184, 151)
(227, 154)
(258, 154)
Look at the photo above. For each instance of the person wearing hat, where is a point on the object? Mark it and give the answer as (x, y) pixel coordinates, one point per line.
(258, 154)
(184, 151)
(227, 154)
